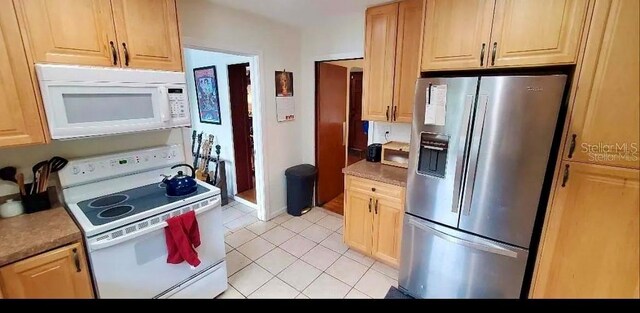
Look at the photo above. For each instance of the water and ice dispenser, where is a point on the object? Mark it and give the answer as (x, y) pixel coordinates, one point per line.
(433, 154)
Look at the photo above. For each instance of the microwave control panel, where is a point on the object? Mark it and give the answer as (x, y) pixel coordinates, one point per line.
(178, 103)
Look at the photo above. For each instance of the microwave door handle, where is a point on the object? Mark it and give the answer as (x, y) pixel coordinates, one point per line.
(165, 110)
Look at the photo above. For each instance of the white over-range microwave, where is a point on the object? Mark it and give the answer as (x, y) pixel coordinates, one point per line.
(82, 101)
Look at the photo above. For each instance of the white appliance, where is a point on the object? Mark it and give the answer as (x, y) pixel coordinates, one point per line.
(82, 101)
(121, 206)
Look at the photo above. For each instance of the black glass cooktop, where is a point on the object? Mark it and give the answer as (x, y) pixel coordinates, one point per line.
(113, 207)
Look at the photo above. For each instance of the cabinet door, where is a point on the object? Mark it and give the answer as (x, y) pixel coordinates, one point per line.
(387, 229)
(61, 273)
(540, 32)
(605, 119)
(379, 62)
(148, 34)
(456, 34)
(20, 121)
(590, 248)
(407, 59)
(69, 31)
(358, 219)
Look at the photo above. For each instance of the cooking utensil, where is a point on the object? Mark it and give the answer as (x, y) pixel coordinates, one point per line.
(57, 163)
(20, 179)
(44, 178)
(36, 176)
(180, 185)
(8, 173)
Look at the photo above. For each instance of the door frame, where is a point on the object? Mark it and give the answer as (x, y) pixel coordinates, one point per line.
(259, 121)
(316, 72)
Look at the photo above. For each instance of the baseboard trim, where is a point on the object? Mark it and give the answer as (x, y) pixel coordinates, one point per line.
(277, 212)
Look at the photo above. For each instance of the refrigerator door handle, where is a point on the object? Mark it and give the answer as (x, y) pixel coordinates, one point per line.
(462, 148)
(486, 247)
(474, 153)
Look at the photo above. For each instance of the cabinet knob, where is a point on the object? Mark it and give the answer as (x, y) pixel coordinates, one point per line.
(373, 189)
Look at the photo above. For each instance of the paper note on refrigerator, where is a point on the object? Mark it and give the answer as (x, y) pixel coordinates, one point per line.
(436, 106)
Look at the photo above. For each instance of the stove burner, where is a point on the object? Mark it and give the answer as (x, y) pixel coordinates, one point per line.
(115, 211)
(108, 201)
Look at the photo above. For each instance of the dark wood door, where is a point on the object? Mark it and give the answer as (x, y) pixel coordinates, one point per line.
(241, 124)
(357, 137)
(331, 107)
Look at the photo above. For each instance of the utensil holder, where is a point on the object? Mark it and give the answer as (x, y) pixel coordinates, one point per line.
(35, 202)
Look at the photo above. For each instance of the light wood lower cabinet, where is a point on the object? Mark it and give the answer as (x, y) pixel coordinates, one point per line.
(61, 273)
(373, 215)
(591, 245)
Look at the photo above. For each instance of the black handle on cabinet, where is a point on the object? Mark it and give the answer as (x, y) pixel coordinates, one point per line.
(376, 206)
(76, 260)
(482, 54)
(565, 178)
(395, 110)
(572, 146)
(114, 53)
(370, 205)
(126, 54)
(387, 114)
(493, 54)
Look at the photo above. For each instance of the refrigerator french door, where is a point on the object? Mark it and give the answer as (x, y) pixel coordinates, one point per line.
(475, 181)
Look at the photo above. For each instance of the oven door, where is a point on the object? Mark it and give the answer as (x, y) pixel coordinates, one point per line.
(91, 109)
(136, 266)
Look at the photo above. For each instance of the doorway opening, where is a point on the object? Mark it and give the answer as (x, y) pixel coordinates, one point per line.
(341, 135)
(242, 124)
(226, 111)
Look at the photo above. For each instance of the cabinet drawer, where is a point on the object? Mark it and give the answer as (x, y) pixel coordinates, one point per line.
(375, 188)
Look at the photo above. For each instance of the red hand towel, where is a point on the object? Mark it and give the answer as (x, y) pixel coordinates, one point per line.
(183, 236)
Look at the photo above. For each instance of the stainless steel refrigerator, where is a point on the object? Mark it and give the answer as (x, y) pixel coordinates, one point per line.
(476, 171)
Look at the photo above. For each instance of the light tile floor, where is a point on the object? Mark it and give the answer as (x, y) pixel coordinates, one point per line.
(297, 257)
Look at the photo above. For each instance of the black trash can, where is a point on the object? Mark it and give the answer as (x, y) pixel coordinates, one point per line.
(300, 180)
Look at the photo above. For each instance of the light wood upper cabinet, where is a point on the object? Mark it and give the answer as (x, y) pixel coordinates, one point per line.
(61, 273)
(148, 34)
(605, 119)
(456, 34)
(540, 32)
(387, 229)
(379, 61)
(407, 64)
(501, 33)
(358, 220)
(20, 114)
(68, 31)
(590, 248)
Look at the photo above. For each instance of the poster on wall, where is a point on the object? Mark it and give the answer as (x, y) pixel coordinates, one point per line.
(207, 94)
(285, 104)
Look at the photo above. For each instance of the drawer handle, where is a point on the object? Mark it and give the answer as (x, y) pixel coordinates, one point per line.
(493, 54)
(387, 114)
(126, 54)
(114, 53)
(482, 54)
(572, 147)
(376, 207)
(565, 177)
(370, 205)
(76, 260)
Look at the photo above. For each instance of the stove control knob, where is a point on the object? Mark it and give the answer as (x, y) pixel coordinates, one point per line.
(91, 167)
(75, 170)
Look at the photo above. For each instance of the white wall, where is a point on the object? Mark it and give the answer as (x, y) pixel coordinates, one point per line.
(340, 37)
(25, 157)
(223, 133)
(277, 46)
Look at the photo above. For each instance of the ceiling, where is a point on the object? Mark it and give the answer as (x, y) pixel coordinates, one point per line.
(300, 13)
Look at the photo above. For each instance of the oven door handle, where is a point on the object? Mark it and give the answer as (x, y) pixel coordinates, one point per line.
(93, 246)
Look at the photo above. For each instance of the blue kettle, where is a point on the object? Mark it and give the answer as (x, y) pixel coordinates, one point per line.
(181, 184)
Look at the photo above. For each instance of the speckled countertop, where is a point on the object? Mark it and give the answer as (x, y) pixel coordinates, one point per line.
(378, 172)
(30, 234)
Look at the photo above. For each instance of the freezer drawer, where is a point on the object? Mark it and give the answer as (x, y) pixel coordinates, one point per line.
(440, 262)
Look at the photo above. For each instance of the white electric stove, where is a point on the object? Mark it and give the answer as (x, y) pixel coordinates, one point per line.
(121, 205)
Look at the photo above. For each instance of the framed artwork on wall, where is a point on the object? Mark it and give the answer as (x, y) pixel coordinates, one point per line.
(206, 82)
